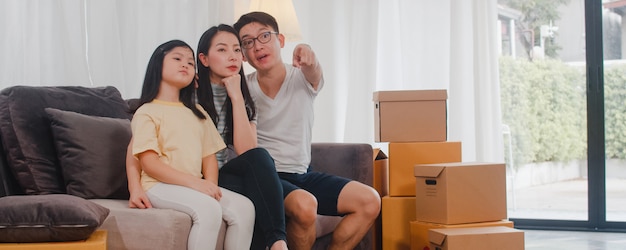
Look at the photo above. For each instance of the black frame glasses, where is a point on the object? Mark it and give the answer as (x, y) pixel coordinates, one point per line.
(264, 37)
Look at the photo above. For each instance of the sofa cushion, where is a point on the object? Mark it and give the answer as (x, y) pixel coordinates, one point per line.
(26, 134)
(146, 229)
(92, 153)
(53, 217)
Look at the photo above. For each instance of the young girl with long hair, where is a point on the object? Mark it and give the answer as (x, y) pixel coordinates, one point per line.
(176, 146)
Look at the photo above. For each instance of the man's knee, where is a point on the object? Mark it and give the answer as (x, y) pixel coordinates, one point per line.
(361, 198)
(301, 206)
(371, 204)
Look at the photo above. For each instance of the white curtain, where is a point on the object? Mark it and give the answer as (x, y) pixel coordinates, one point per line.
(363, 45)
(366, 46)
(95, 42)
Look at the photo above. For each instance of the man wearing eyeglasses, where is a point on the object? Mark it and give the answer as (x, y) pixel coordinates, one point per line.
(284, 96)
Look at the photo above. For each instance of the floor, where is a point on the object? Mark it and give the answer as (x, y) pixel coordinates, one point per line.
(568, 201)
(565, 200)
(573, 240)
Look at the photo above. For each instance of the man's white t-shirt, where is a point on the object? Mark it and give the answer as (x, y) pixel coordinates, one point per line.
(285, 123)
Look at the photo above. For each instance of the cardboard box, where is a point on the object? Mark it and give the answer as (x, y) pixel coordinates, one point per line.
(97, 241)
(381, 172)
(398, 212)
(404, 156)
(410, 116)
(480, 238)
(461, 192)
(377, 232)
(380, 183)
(419, 230)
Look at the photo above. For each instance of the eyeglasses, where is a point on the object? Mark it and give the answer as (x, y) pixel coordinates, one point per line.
(262, 38)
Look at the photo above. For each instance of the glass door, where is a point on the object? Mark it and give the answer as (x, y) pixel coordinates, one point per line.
(563, 91)
(542, 81)
(614, 50)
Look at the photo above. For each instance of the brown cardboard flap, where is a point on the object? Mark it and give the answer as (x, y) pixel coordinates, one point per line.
(497, 237)
(410, 95)
(436, 237)
(471, 230)
(420, 230)
(379, 154)
(431, 171)
(380, 176)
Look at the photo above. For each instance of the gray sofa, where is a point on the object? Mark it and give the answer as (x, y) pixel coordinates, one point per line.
(44, 152)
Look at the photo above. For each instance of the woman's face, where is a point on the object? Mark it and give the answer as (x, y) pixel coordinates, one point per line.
(225, 56)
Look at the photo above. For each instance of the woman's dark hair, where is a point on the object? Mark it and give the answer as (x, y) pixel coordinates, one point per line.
(205, 92)
(154, 72)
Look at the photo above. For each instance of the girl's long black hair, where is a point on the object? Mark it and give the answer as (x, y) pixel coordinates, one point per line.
(152, 80)
(205, 92)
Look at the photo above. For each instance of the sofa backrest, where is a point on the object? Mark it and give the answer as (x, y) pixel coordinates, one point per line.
(27, 140)
(350, 160)
(8, 184)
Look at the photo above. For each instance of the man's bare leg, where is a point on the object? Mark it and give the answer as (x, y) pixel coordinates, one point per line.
(361, 204)
(301, 212)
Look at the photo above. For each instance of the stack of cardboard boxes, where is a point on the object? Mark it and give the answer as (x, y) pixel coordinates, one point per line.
(460, 200)
(427, 190)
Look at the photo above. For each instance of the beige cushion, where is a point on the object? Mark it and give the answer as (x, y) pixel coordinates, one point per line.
(136, 229)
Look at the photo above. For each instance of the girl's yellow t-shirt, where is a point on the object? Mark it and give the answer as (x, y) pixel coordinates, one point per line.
(179, 137)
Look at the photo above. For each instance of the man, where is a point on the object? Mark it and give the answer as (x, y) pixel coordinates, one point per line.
(284, 96)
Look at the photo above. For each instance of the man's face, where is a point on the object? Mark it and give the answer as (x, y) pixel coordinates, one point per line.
(261, 55)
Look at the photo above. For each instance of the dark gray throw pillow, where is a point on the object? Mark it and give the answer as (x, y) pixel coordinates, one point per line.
(45, 218)
(25, 129)
(92, 153)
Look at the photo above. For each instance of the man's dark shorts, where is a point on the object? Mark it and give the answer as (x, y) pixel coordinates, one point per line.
(324, 187)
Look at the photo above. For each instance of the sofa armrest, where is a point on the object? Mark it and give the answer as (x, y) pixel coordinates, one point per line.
(351, 160)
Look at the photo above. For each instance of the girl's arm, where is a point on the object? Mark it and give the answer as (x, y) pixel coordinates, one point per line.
(244, 131)
(138, 197)
(154, 167)
(210, 172)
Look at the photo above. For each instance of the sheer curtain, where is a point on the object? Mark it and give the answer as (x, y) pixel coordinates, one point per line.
(363, 45)
(95, 43)
(366, 46)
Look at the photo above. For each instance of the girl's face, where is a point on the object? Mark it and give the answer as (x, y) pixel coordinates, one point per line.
(178, 67)
(224, 57)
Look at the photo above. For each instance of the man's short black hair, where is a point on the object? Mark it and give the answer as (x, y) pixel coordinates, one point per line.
(256, 17)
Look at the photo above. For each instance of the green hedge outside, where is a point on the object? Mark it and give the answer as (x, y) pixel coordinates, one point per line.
(615, 111)
(544, 105)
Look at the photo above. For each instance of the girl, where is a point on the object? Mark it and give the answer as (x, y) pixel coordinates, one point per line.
(176, 145)
(244, 168)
